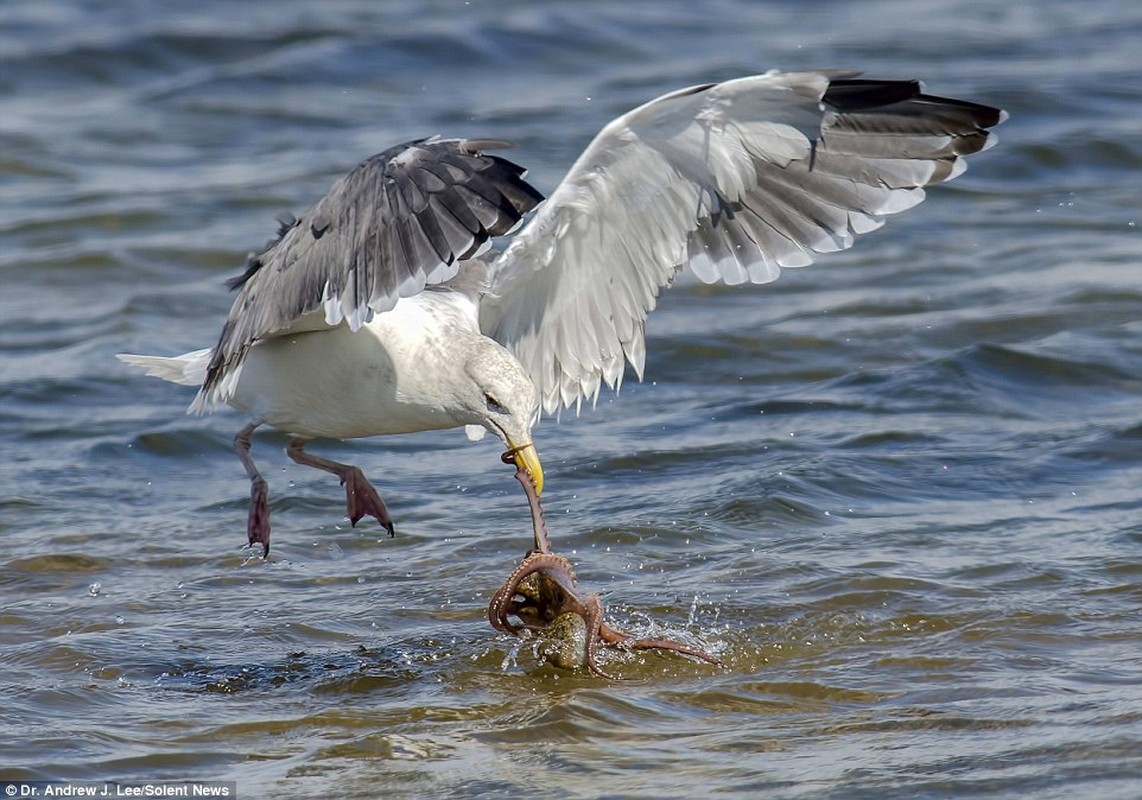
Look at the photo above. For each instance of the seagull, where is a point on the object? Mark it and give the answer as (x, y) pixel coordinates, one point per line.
(384, 310)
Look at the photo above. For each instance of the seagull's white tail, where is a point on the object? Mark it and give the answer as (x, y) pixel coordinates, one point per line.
(189, 369)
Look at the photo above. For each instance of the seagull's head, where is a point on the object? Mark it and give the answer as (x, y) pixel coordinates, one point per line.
(503, 399)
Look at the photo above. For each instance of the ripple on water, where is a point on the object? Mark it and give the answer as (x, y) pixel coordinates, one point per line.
(53, 572)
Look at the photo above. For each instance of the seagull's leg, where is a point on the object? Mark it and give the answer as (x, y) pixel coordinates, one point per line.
(360, 496)
(258, 523)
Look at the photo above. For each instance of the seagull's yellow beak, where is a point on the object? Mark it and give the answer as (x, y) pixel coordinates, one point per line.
(525, 457)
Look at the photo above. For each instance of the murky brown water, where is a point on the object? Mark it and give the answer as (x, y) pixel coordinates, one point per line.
(896, 493)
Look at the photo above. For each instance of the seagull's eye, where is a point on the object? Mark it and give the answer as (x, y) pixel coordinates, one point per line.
(494, 404)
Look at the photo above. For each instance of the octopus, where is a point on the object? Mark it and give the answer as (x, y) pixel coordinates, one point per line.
(542, 593)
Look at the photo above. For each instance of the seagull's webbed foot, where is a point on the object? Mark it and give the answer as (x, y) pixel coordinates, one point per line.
(361, 498)
(258, 522)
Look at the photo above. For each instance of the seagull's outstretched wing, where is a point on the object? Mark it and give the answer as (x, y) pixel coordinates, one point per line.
(399, 221)
(734, 180)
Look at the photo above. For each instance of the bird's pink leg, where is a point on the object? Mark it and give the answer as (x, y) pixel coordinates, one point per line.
(258, 522)
(360, 496)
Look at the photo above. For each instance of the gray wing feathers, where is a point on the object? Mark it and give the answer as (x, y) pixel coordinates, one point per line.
(735, 180)
(399, 221)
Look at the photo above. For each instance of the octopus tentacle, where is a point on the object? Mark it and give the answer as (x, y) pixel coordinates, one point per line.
(626, 641)
(538, 520)
(594, 626)
(554, 567)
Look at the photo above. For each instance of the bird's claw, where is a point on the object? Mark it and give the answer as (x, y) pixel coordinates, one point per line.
(362, 499)
(258, 521)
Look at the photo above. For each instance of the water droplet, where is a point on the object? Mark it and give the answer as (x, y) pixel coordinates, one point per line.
(119, 619)
(95, 588)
